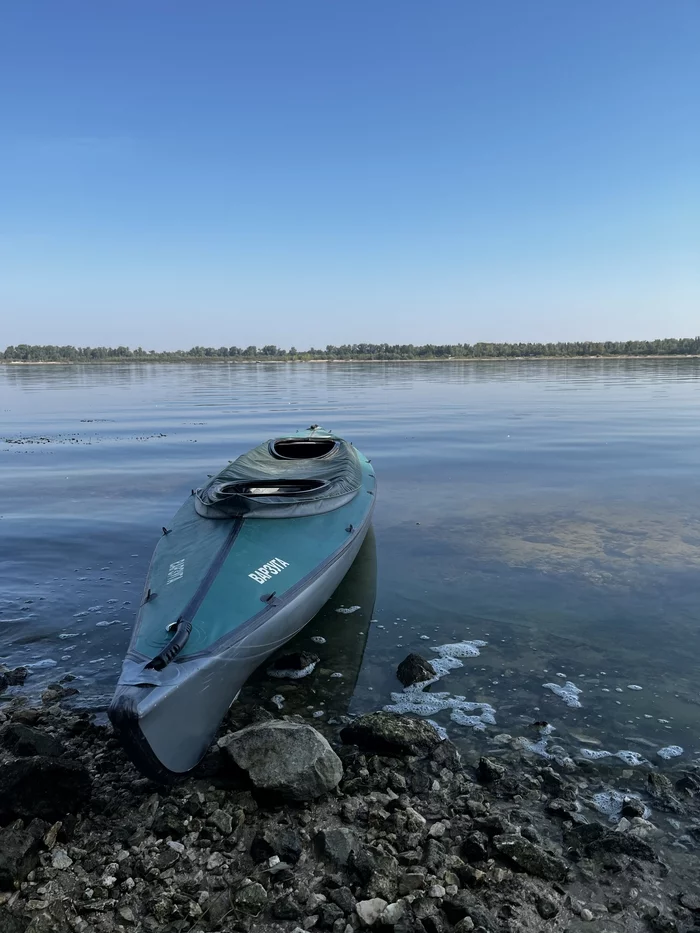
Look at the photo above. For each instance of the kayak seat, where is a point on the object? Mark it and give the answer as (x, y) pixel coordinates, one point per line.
(302, 448)
(286, 477)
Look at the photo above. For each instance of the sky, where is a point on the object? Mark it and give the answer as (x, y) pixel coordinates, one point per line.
(301, 173)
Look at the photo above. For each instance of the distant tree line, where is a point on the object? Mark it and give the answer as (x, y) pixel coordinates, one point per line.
(670, 346)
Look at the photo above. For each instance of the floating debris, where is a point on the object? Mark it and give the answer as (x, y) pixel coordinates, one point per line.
(569, 693)
(318, 639)
(671, 751)
(347, 611)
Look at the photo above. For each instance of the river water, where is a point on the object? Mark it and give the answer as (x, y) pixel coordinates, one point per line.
(549, 509)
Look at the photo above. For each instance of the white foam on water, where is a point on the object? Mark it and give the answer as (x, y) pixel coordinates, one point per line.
(594, 754)
(318, 639)
(318, 713)
(292, 674)
(631, 758)
(428, 704)
(634, 687)
(104, 623)
(425, 638)
(336, 674)
(609, 803)
(69, 634)
(537, 748)
(278, 700)
(671, 751)
(634, 759)
(461, 649)
(348, 610)
(39, 665)
(569, 693)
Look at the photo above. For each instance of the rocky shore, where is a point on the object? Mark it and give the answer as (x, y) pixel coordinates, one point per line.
(380, 825)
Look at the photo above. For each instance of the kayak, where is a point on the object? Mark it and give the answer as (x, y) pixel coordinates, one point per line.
(337, 635)
(245, 564)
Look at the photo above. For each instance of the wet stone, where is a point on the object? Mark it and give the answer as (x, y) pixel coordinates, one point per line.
(25, 740)
(531, 858)
(414, 669)
(391, 734)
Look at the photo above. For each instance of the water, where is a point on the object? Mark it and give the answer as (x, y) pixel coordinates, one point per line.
(550, 509)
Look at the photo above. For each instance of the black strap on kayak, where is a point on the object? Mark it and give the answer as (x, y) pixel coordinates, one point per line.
(181, 632)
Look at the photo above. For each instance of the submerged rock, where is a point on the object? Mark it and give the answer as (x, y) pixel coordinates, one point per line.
(391, 734)
(286, 758)
(46, 788)
(415, 669)
(12, 678)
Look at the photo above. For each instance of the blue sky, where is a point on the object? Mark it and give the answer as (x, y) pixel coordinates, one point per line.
(311, 172)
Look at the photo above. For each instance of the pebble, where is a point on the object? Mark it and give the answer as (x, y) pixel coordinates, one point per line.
(60, 859)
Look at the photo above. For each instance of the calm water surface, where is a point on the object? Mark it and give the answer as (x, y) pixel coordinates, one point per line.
(550, 509)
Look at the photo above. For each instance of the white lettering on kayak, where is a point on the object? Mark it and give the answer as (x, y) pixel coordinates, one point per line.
(175, 571)
(268, 570)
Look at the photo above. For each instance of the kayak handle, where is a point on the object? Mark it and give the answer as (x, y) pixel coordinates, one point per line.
(181, 630)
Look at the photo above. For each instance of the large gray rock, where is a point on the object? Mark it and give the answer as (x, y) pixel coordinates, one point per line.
(530, 858)
(287, 758)
(391, 734)
(26, 741)
(19, 854)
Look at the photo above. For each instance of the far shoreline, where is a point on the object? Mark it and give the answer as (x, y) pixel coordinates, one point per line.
(240, 362)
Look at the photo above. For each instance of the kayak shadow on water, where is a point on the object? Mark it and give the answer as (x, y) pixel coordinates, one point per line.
(338, 639)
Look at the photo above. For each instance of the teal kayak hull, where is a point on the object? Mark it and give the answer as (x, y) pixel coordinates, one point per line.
(233, 591)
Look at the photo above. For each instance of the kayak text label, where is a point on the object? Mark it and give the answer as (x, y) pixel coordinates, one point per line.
(175, 571)
(270, 569)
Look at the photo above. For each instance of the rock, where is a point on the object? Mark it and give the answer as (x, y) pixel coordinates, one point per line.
(297, 661)
(12, 678)
(414, 669)
(465, 925)
(612, 843)
(632, 806)
(391, 734)
(474, 847)
(586, 914)
(46, 788)
(370, 911)
(223, 822)
(337, 845)
(286, 908)
(530, 858)
(60, 859)
(343, 898)
(490, 770)
(690, 902)
(411, 881)
(546, 906)
(251, 899)
(392, 913)
(661, 790)
(19, 854)
(286, 845)
(286, 758)
(24, 740)
(437, 830)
